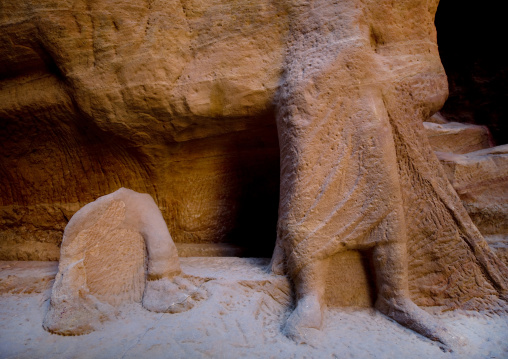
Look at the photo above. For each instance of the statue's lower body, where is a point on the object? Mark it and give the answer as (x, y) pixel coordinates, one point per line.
(340, 190)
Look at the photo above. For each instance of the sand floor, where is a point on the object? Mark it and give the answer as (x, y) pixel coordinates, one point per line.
(241, 318)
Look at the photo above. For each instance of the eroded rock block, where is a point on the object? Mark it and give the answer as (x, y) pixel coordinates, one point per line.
(437, 118)
(481, 180)
(457, 137)
(110, 246)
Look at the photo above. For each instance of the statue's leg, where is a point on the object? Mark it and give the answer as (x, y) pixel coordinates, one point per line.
(310, 286)
(167, 289)
(393, 300)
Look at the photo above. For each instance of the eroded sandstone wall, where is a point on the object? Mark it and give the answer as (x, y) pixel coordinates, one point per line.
(176, 99)
(166, 97)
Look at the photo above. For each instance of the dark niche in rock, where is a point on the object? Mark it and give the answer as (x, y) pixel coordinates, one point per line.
(469, 36)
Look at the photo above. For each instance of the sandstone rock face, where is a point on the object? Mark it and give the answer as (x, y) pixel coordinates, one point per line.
(457, 137)
(174, 99)
(180, 99)
(477, 172)
(103, 262)
(481, 180)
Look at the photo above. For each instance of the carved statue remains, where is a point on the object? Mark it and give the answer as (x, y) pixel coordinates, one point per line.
(357, 171)
(127, 89)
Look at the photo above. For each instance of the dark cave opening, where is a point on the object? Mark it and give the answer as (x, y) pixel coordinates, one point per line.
(470, 45)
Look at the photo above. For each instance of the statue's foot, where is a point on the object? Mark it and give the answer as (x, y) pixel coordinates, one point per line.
(306, 318)
(79, 315)
(408, 314)
(174, 295)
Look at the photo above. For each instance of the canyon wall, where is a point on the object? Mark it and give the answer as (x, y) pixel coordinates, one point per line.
(179, 99)
(173, 99)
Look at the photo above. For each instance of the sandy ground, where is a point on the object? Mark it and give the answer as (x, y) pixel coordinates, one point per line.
(241, 318)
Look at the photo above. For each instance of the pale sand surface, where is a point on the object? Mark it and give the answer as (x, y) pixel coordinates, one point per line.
(241, 318)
